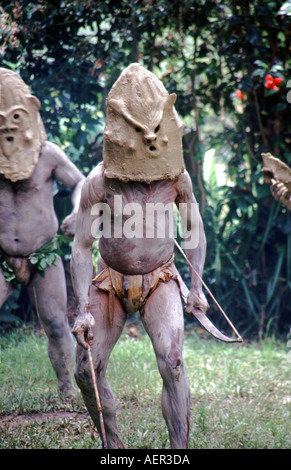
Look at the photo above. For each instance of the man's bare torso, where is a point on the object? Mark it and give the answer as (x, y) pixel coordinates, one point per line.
(27, 217)
(136, 250)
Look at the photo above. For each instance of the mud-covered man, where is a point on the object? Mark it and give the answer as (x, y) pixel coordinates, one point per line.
(29, 164)
(142, 168)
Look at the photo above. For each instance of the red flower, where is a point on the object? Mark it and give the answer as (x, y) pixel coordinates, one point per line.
(278, 80)
(239, 94)
(272, 82)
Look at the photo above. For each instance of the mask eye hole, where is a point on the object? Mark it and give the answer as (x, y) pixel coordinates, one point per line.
(9, 139)
(157, 129)
(138, 129)
(17, 115)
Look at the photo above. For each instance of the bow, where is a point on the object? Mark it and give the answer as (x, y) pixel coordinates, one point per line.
(200, 316)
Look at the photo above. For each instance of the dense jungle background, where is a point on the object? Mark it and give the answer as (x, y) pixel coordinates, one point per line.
(229, 62)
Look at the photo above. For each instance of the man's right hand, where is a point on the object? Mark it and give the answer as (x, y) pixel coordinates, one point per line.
(83, 329)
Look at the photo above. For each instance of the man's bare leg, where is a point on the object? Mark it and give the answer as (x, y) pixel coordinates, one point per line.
(48, 294)
(105, 338)
(163, 320)
(6, 289)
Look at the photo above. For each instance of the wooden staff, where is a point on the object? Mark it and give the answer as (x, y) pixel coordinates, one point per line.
(99, 407)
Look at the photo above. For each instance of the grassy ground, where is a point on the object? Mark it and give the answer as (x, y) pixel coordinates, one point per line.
(240, 396)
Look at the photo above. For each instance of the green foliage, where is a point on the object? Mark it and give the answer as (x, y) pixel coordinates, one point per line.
(41, 259)
(6, 270)
(70, 53)
(47, 255)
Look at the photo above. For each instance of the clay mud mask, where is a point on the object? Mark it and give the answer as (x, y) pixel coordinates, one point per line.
(143, 132)
(21, 129)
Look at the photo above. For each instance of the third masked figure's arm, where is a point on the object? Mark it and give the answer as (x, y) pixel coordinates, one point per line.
(280, 193)
(195, 240)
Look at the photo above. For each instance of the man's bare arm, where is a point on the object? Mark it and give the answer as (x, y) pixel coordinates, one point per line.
(69, 175)
(81, 257)
(195, 240)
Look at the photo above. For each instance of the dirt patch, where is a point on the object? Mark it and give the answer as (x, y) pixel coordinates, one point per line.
(14, 420)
